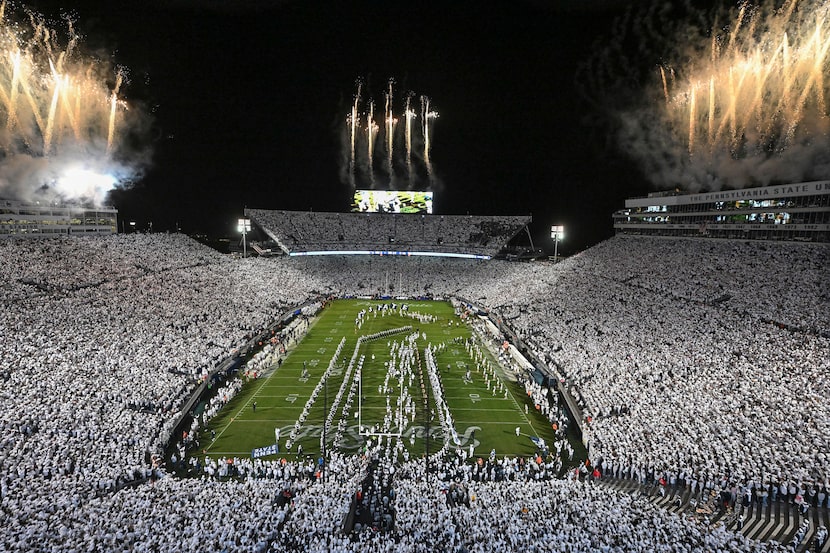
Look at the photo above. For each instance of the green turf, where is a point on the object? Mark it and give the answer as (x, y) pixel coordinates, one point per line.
(282, 395)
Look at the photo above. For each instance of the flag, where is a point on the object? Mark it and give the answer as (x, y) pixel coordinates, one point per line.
(263, 451)
(539, 442)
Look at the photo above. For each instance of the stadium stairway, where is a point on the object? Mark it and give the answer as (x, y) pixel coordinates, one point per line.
(778, 520)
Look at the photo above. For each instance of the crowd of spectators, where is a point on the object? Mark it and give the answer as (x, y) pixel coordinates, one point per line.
(300, 231)
(103, 340)
(694, 360)
(706, 360)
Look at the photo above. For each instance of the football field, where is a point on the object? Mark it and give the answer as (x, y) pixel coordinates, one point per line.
(406, 368)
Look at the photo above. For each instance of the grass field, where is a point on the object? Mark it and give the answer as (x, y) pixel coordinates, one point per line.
(484, 417)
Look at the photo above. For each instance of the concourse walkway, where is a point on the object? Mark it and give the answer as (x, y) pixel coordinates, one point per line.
(778, 520)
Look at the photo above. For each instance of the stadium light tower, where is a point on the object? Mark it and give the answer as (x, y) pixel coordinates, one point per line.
(244, 226)
(557, 232)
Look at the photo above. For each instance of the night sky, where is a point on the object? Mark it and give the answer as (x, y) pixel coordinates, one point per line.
(247, 99)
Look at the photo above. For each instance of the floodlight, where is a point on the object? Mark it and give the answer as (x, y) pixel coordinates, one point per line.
(244, 226)
(557, 232)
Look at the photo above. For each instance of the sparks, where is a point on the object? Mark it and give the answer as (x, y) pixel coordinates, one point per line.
(766, 81)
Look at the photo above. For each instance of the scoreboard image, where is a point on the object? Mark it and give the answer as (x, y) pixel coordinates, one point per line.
(392, 201)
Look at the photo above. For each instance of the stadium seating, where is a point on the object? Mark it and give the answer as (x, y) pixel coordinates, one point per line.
(705, 362)
(298, 231)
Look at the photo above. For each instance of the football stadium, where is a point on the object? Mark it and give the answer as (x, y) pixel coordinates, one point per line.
(391, 377)
(159, 395)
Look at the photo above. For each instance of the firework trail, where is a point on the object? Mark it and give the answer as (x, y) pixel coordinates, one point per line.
(427, 117)
(761, 79)
(390, 122)
(410, 115)
(353, 121)
(371, 132)
(745, 106)
(360, 143)
(61, 121)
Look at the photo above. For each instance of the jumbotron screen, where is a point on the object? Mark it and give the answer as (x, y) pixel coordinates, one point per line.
(392, 201)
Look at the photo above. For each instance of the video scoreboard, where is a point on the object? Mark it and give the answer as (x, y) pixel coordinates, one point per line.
(392, 201)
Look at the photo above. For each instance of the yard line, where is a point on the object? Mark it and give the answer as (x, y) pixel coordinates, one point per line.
(521, 412)
(483, 397)
(480, 409)
(263, 420)
(511, 423)
(277, 396)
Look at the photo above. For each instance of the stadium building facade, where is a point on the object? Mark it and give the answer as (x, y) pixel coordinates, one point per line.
(21, 219)
(784, 212)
